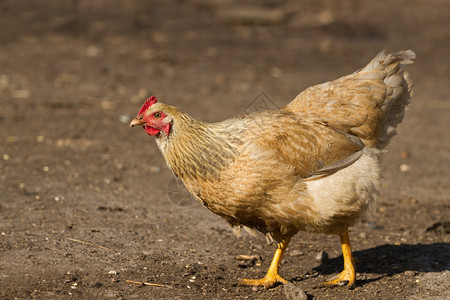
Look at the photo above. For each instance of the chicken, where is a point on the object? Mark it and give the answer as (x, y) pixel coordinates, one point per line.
(310, 166)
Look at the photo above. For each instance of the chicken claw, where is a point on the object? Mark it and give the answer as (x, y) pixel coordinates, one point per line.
(268, 281)
(349, 274)
(272, 276)
(346, 277)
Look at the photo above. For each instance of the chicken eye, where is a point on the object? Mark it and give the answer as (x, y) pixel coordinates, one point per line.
(157, 115)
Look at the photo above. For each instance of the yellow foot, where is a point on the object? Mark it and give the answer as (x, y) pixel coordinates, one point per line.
(345, 277)
(348, 275)
(268, 281)
(272, 276)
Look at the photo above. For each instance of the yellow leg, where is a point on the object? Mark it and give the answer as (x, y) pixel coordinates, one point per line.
(349, 274)
(272, 276)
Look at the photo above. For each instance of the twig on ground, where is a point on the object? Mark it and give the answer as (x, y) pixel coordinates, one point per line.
(248, 257)
(248, 261)
(90, 244)
(145, 283)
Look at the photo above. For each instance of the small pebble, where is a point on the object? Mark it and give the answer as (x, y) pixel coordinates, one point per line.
(40, 138)
(405, 154)
(410, 273)
(296, 253)
(5, 156)
(293, 292)
(112, 272)
(404, 168)
(255, 288)
(46, 168)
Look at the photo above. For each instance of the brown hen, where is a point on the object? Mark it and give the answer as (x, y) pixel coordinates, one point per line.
(312, 165)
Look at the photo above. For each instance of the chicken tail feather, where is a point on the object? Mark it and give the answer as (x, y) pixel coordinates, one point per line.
(399, 87)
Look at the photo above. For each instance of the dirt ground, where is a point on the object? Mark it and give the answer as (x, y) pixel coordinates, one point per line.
(87, 204)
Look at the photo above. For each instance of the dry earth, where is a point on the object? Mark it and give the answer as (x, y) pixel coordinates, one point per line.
(84, 203)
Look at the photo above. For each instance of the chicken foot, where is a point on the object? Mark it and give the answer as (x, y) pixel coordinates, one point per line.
(272, 276)
(348, 274)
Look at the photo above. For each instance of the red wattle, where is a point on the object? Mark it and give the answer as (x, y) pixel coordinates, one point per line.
(151, 130)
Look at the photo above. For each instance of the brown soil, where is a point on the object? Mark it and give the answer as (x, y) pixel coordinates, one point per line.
(84, 204)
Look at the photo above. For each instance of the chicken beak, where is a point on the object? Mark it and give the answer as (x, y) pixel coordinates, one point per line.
(137, 122)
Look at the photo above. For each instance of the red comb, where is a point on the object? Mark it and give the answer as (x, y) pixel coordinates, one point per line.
(150, 101)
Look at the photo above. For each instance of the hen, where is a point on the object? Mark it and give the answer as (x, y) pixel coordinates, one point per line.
(312, 165)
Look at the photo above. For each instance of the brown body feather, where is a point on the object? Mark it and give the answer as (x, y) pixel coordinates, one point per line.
(312, 165)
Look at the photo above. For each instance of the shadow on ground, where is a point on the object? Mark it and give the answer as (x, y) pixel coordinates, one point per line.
(388, 260)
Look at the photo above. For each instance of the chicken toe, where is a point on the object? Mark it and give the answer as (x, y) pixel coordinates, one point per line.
(347, 276)
(272, 276)
(268, 281)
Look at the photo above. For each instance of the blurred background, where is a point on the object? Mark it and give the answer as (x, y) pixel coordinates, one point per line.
(74, 73)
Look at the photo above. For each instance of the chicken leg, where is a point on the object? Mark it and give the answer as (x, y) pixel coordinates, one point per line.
(272, 276)
(348, 274)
